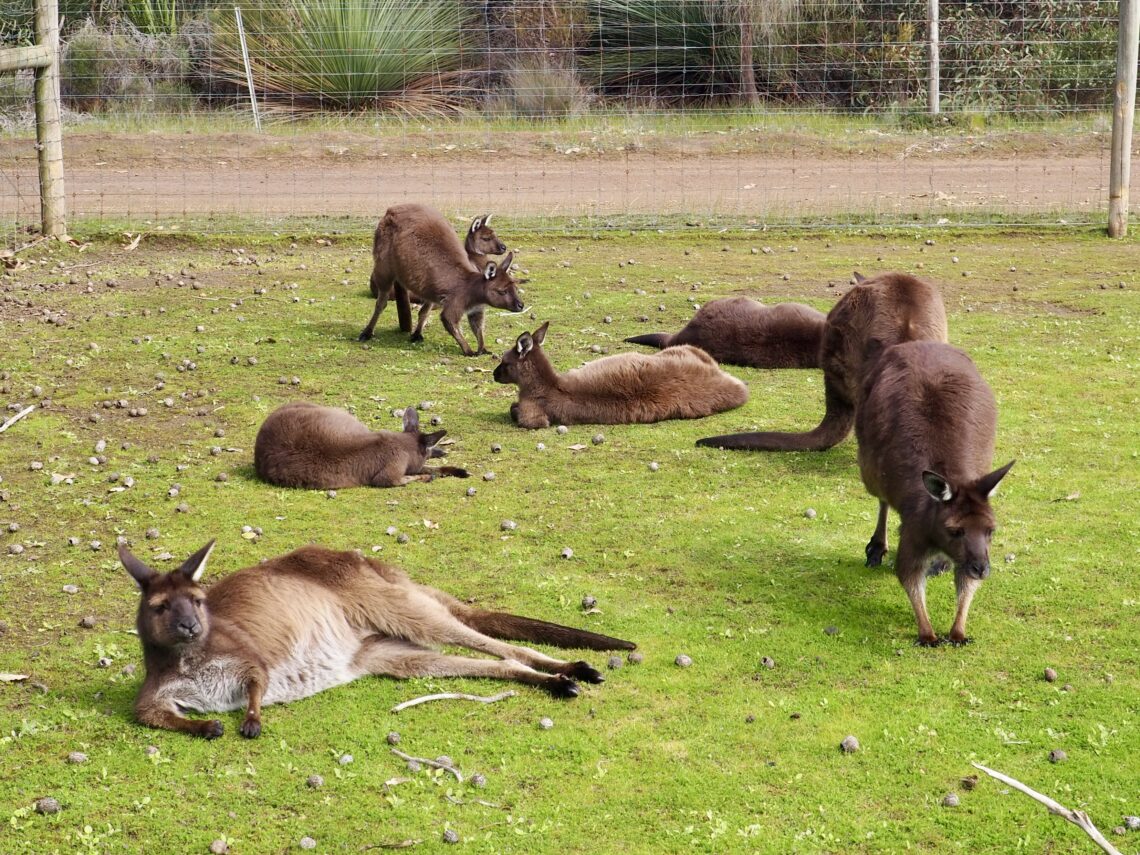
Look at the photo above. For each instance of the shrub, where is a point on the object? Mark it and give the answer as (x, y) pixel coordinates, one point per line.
(386, 54)
(539, 89)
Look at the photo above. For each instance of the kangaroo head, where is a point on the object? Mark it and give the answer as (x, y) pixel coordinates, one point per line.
(427, 441)
(502, 292)
(481, 238)
(172, 610)
(515, 360)
(965, 521)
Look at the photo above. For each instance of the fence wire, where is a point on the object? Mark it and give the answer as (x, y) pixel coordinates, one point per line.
(601, 112)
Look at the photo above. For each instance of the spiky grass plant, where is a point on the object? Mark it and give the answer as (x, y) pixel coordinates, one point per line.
(333, 54)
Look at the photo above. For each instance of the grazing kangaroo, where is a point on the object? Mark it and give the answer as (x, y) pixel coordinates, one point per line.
(481, 241)
(678, 383)
(877, 313)
(742, 331)
(423, 254)
(926, 443)
(325, 448)
(304, 622)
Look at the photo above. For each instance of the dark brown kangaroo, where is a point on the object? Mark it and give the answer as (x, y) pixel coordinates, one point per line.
(926, 443)
(325, 448)
(481, 242)
(742, 331)
(304, 622)
(424, 255)
(876, 314)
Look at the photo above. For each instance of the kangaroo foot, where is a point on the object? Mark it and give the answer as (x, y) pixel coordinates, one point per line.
(583, 671)
(961, 642)
(211, 729)
(875, 551)
(562, 687)
(365, 336)
(417, 337)
(250, 728)
(933, 641)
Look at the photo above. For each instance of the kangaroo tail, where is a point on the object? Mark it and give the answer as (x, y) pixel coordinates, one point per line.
(837, 422)
(517, 628)
(658, 339)
(453, 472)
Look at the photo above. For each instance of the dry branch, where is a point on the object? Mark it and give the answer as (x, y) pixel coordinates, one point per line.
(15, 418)
(1077, 817)
(452, 696)
(435, 764)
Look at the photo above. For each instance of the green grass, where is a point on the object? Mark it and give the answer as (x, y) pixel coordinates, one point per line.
(712, 556)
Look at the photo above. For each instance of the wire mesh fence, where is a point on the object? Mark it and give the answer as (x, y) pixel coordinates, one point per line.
(604, 112)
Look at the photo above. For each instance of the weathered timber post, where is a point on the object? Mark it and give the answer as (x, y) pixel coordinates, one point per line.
(1123, 112)
(933, 95)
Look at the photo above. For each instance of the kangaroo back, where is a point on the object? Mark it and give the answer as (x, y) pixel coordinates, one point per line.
(874, 315)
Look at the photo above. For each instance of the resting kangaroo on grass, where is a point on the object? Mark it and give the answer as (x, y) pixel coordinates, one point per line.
(877, 313)
(314, 619)
(742, 331)
(926, 443)
(324, 448)
(424, 255)
(677, 383)
(481, 241)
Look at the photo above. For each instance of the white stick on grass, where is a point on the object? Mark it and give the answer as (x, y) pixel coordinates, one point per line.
(15, 418)
(452, 696)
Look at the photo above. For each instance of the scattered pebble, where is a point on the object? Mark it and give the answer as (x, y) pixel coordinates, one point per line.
(768, 662)
(567, 552)
(444, 760)
(614, 663)
(152, 534)
(471, 491)
(391, 530)
(508, 525)
(450, 835)
(1132, 823)
(222, 477)
(345, 759)
(831, 630)
(87, 621)
(562, 429)
(540, 446)
(70, 589)
(588, 602)
(219, 847)
(598, 439)
(496, 448)
(331, 494)
(314, 782)
(488, 476)
(950, 800)
(1058, 755)
(47, 805)
(810, 513)
(683, 661)
(393, 738)
(307, 842)
(654, 466)
(546, 723)
(849, 745)
(478, 780)
(414, 766)
(1050, 675)
(402, 538)
(76, 757)
(969, 782)
(15, 548)
(635, 658)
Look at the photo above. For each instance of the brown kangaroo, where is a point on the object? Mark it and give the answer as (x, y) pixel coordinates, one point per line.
(926, 443)
(742, 331)
(325, 448)
(304, 622)
(680, 382)
(877, 313)
(425, 257)
(481, 241)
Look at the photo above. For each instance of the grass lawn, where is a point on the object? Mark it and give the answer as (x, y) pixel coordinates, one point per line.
(712, 555)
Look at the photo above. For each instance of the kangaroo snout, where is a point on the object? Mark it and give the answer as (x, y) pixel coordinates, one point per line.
(500, 375)
(189, 628)
(517, 306)
(977, 569)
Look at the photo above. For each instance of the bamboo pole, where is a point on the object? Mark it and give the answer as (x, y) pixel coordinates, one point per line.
(1123, 112)
(49, 127)
(933, 94)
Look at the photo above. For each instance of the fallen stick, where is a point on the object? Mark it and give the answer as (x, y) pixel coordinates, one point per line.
(403, 844)
(15, 418)
(435, 764)
(453, 696)
(456, 801)
(1077, 817)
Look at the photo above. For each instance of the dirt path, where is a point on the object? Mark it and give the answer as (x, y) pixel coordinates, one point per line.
(188, 181)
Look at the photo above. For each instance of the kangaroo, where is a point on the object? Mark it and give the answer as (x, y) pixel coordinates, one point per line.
(926, 443)
(304, 622)
(481, 241)
(324, 448)
(680, 382)
(742, 331)
(425, 257)
(877, 313)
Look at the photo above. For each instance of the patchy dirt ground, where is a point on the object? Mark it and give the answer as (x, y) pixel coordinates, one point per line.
(766, 177)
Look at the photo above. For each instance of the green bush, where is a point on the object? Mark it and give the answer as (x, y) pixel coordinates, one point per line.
(541, 90)
(386, 54)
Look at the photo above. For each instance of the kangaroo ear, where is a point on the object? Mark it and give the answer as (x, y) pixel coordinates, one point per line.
(476, 224)
(507, 262)
(411, 420)
(937, 486)
(487, 220)
(540, 333)
(139, 571)
(524, 345)
(859, 278)
(490, 270)
(987, 485)
(431, 439)
(194, 566)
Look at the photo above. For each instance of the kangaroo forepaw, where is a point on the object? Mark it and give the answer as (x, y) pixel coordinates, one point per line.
(934, 641)
(583, 671)
(875, 552)
(211, 729)
(366, 335)
(563, 687)
(250, 728)
(961, 642)
(417, 337)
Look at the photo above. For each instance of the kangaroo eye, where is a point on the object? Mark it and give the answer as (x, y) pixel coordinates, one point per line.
(957, 532)
(198, 601)
(161, 607)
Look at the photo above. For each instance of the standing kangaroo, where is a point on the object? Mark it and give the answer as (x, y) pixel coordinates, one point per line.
(481, 241)
(877, 313)
(325, 448)
(742, 331)
(680, 382)
(423, 254)
(926, 443)
(314, 619)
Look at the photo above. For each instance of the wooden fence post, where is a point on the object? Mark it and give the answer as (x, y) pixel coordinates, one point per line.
(1123, 111)
(934, 73)
(49, 127)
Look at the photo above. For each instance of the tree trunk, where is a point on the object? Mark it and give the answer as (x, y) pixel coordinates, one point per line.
(748, 93)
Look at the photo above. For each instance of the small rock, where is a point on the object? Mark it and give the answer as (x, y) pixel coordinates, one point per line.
(849, 745)
(345, 759)
(182, 508)
(444, 760)
(450, 835)
(562, 429)
(15, 548)
(393, 738)
(969, 782)
(87, 621)
(654, 466)
(488, 476)
(413, 766)
(508, 525)
(950, 800)
(567, 552)
(1050, 675)
(831, 630)
(70, 589)
(151, 750)
(598, 439)
(496, 448)
(471, 491)
(540, 446)
(588, 602)
(683, 661)
(306, 842)
(152, 534)
(76, 757)
(437, 420)
(613, 663)
(1132, 823)
(219, 847)
(330, 493)
(402, 537)
(478, 780)
(1120, 829)
(391, 530)
(768, 662)
(47, 805)
(222, 477)
(1068, 687)
(546, 723)
(635, 658)
(810, 513)
(1058, 755)
(105, 662)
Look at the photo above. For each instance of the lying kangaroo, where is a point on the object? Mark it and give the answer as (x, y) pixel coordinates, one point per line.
(680, 382)
(742, 331)
(926, 443)
(481, 241)
(324, 448)
(304, 622)
(425, 257)
(877, 313)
